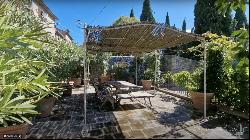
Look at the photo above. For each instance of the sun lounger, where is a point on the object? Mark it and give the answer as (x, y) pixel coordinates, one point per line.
(138, 94)
(109, 93)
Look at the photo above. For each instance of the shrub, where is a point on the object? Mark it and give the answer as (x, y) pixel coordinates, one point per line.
(151, 61)
(29, 62)
(228, 70)
(187, 80)
(23, 76)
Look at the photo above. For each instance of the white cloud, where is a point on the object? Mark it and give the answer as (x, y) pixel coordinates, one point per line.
(188, 30)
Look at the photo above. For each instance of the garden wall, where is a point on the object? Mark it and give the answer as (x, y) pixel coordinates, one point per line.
(176, 63)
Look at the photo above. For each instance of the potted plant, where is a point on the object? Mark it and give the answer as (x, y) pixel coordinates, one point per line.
(45, 105)
(51, 91)
(24, 78)
(193, 83)
(76, 74)
(147, 79)
(104, 78)
(131, 78)
(12, 122)
(20, 90)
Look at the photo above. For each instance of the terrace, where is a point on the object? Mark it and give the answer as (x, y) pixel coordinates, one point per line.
(169, 117)
(54, 89)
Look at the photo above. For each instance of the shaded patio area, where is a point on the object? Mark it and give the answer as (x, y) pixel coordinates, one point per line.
(169, 117)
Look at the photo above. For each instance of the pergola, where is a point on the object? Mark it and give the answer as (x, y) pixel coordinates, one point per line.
(136, 39)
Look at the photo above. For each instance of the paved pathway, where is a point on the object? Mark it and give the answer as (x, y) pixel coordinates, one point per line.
(169, 117)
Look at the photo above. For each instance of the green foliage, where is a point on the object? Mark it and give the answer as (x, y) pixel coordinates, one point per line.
(167, 22)
(241, 19)
(99, 64)
(13, 108)
(182, 78)
(124, 20)
(215, 71)
(29, 61)
(168, 75)
(151, 61)
(65, 59)
(23, 77)
(229, 72)
(241, 49)
(224, 5)
(121, 73)
(147, 15)
(149, 74)
(132, 13)
(184, 26)
(237, 68)
(208, 19)
(187, 80)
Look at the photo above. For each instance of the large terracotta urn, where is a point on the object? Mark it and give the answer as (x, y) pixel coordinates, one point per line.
(104, 78)
(131, 80)
(45, 106)
(67, 90)
(146, 84)
(77, 81)
(14, 131)
(198, 100)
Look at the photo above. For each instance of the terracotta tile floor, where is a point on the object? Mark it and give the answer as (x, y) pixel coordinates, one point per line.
(166, 118)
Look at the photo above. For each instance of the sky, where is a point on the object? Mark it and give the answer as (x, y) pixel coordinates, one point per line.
(105, 12)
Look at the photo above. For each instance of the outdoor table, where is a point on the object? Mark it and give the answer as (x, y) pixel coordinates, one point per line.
(123, 85)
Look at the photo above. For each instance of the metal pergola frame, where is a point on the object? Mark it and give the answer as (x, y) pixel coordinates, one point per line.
(86, 43)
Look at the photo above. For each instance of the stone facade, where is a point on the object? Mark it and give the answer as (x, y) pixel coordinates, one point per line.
(41, 11)
(176, 63)
(63, 35)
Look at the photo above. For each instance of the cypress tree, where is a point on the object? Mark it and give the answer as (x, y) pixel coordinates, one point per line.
(207, 18)
(132, 13)
(167, 22)
(184, 26)
(174, 27)
(226, 23)
(147, 14)
(192, 30)
(241, 19)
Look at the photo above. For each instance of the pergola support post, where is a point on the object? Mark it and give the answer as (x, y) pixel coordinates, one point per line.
(205, 82)
(155, 83)
(136, 71)
(85, 71)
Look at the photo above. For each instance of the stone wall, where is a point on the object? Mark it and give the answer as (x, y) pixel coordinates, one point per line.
(176, 63)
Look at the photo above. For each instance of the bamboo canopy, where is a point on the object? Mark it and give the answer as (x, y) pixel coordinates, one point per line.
(136, 38)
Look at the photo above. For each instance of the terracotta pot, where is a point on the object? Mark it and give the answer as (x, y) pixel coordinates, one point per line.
(45, 106)
(14, 129)
(104, 78)
(131, 79)
(87, 81)
(198, 100)
(67, 90)
(146, 84)
(77, 81)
